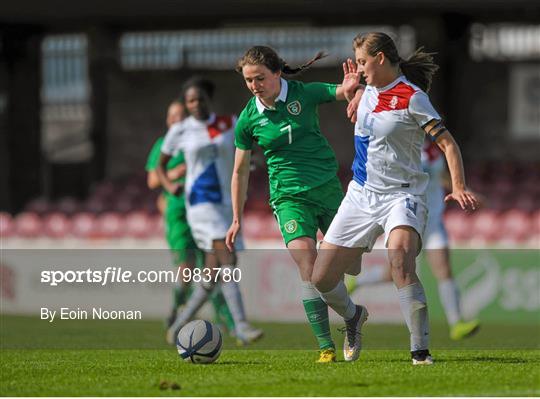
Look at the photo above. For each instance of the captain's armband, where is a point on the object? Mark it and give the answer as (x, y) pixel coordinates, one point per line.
(434, 129)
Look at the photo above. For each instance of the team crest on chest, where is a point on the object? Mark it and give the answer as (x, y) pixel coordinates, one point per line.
(393, 102)
(294, 108)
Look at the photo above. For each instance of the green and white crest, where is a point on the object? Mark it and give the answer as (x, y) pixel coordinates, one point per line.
(294, 108)
(290, 226)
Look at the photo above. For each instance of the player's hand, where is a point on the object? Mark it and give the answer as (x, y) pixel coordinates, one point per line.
(351, 79)
(352, 108)
(177, 172)
(467, 200)
(231, 235)
(176, 189)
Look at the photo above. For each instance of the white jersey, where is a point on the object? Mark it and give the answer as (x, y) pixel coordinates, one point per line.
(208, 148)
(389, 136)
(433, 164)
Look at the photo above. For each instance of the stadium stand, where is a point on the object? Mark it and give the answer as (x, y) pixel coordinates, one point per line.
(118, 209)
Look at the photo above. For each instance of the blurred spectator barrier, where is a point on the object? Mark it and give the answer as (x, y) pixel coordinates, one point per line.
(220, 48)
(495, 285)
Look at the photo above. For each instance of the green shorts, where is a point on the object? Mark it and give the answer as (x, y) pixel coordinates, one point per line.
(302, 214)
(178, 235)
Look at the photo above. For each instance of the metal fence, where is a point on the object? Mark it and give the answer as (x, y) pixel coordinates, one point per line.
(65, 95)
(504, 42)
(220, 48)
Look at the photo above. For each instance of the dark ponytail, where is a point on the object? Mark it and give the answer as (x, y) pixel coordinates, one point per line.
(267, 56)
(286, 69)
(419, 68)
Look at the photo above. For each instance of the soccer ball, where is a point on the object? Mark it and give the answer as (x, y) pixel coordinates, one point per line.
(199, 341)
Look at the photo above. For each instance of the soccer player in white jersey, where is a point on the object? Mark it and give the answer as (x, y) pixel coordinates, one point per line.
(436, 243)
(387, 193)
(207, 141)
(436, 246)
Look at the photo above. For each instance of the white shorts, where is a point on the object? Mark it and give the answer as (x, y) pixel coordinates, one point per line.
(364, 215)
(209, 222)
(435, 236)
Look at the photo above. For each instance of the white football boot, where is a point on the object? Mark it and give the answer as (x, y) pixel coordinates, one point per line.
(247, 334)
(421, 358)
(352, 345)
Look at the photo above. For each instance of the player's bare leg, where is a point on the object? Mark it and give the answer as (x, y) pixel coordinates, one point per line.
(331, 264)
(245, 332)
(304, 252)
(439, 261)
(376, 274)
(182, 287)
(403, 247)
(201, 292)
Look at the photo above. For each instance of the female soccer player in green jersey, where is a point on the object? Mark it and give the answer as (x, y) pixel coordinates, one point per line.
(305, 192)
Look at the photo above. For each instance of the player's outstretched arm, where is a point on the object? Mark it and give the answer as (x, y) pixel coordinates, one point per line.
(239, 185)
(466, 199)
(177, 172)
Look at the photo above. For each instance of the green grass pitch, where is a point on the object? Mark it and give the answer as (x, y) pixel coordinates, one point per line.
(74, 358)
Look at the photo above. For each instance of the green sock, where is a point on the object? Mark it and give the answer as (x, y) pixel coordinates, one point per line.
(222, 312)
(317, 315)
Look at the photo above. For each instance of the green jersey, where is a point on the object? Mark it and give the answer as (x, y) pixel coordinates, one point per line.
(173, 201)
(153, 157)
(298, 156)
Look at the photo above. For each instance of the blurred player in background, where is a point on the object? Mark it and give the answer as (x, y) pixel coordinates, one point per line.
(282, 118)
(207, 141)
(177, 232)
(436, 247)
(387, 193)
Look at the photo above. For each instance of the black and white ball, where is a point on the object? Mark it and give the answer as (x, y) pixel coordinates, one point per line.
(199, 341)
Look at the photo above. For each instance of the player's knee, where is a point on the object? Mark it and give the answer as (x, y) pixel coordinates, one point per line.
(405, 239)
(402, 256)
(403, 246)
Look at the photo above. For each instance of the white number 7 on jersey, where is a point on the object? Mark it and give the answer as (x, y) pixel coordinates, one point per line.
(288, 129)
